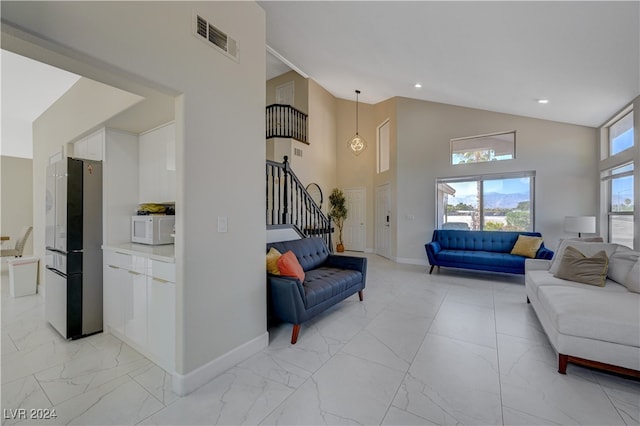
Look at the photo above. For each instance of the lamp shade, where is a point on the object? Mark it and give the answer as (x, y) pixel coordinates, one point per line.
(580, 224)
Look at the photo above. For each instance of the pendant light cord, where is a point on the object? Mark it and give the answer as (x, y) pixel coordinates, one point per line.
(357, 93)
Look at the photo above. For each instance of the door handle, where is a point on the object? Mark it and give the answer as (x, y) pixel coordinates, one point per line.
(55, 271)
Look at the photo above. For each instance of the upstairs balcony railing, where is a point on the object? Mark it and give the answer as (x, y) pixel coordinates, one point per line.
(284, 121)
(289, 203)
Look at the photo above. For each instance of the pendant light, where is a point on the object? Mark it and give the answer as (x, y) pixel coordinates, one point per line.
(357, 143)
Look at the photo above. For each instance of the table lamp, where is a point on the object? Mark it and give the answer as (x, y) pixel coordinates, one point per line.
(580, 224)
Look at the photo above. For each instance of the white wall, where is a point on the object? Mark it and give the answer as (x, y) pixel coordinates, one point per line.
(220, 147)
(16, 208)
(564, 157)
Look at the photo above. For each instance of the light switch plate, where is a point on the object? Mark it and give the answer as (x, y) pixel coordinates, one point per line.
(222, 224)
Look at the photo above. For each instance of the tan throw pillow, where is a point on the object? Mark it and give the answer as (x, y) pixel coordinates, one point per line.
(588, 248)
(272, 261)
(577, 267)
(633, 280)
(527, 246)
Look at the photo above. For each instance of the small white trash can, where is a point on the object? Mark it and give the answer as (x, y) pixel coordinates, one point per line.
(23, 276)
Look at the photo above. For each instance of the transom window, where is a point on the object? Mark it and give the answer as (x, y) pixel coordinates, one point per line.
(478, 149)
(621, 134)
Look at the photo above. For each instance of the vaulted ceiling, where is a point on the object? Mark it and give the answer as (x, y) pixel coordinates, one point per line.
(584, 57)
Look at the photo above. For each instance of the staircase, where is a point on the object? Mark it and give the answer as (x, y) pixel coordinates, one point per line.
(289, 205)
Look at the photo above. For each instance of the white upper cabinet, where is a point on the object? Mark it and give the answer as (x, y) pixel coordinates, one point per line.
(157, 165)
(90, 147)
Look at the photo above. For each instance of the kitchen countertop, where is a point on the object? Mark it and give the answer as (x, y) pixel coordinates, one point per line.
(163, 253)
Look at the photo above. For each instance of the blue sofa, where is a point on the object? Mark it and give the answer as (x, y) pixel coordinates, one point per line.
(328, 280)
(482, 250)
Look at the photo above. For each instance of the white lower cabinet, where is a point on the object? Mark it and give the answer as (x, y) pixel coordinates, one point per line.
(139, 304)
(135, 307)
(113, 280)
(162, 321)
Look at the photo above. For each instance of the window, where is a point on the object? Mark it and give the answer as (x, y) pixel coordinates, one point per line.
(619, 187)
(621, 204)
(383, 147)
(490, 202)
(621, 134)
(477, 149)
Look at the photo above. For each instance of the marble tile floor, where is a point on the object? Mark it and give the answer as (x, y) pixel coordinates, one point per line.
(455, 347)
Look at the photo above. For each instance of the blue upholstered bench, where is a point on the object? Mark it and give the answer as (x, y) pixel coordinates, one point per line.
(481, 250)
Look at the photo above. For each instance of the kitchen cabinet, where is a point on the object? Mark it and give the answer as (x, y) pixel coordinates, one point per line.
(161, 320)
(90, 147)
(157, 165)
(135, 307)
(139, 304)
(113, 280)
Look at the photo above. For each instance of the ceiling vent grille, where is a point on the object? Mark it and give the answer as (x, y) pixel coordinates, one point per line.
(214, 37)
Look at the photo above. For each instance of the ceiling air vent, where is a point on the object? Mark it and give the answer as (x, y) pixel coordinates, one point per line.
(215, 37)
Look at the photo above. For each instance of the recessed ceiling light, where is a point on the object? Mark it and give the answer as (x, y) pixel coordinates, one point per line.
(417, 85)
(543, 101)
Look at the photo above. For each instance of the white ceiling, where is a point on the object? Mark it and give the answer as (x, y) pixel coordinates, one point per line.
(28, 88)
(499, 56)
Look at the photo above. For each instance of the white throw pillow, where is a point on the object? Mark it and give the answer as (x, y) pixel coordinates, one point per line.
(633, 280)
(586, 248)
(620, 264)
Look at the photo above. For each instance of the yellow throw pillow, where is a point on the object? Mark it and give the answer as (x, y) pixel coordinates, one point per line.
(527, 246)
(272, 261)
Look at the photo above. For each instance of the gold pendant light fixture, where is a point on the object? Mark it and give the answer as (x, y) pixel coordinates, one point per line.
(357, 143)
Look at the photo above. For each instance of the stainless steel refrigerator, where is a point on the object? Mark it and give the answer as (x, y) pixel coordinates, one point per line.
(73, 238)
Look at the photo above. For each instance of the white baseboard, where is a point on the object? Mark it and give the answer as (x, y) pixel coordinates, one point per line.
(187, 383)
(368, 250)
(411, 261)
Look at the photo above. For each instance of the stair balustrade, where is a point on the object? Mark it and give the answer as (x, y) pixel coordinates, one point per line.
(284, 121)
(289, 203)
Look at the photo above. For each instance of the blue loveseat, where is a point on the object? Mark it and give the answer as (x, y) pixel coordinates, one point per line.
(328, 280)
(482, 250)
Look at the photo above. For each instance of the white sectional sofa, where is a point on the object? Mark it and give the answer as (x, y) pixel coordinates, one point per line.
(586, 324)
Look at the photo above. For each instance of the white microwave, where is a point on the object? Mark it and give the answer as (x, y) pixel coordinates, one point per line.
(152, 229)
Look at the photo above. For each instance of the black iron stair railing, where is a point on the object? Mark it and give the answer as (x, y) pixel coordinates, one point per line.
(289, 203)
(284, 121)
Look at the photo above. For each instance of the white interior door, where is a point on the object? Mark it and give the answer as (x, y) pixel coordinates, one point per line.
(383, 221)
(354, 232)
(285, 94)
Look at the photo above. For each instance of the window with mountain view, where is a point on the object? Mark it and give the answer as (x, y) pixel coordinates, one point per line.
(489, 203)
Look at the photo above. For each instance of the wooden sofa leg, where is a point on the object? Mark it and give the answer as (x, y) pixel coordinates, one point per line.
(294, 333)
(431, 270)
(361, 295)
(562, 363)
(528, 301)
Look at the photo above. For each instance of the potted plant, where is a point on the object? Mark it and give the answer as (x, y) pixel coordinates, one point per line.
(338, 213)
